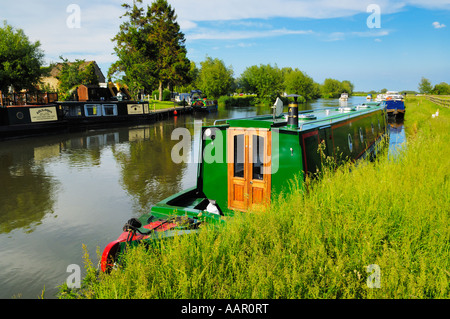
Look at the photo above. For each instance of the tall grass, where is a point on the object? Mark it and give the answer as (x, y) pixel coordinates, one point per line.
(393, 213)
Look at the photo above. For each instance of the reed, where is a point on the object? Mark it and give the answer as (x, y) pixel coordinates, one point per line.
(319, 242)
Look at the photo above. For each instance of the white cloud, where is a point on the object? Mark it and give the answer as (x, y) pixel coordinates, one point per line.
(430, 4)
(208, 34)
(338, 36)
(45, 20)
(438, 25)
(210, 10)
(187, 24)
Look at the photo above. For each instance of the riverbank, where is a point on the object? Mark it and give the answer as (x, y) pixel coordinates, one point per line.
(386, 218)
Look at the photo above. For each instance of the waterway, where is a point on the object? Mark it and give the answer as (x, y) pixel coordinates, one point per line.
(63, 191)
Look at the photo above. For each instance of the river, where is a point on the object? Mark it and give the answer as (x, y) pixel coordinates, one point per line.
(62, 191)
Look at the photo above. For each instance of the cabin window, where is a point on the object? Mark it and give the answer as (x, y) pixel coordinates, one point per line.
(361, 135)
(379, 125)
(92, 110)
(239, 155)
(75, 110)
(373, 129)
(109, 109)
(258, 157)
(350, 143)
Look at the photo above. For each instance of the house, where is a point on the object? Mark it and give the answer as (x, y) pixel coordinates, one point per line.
(53, 81)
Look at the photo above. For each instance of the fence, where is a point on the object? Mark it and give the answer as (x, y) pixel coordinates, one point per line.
(440, 101)
(27, 98)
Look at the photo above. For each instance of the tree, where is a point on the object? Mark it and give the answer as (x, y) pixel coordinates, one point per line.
(20, 60)
(136, 54)
(191, 79)
(425, 86)
(172, 65)
(297, 82)
(73, 74)
(331, 88)
(215, 79)
(150, 48)
(264, 80)
(441, 89)
(347, 87)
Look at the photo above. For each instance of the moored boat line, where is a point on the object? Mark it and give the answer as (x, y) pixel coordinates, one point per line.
(96, 110)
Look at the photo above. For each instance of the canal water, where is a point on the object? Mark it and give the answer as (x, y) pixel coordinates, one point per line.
(63, 191)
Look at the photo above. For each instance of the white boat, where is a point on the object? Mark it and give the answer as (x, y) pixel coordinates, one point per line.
(394, 95)
(344, 97)
(380, 97)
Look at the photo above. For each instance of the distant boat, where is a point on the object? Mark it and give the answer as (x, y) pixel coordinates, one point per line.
(200, 103)
(394, 95)
(369, 97)
(344, 97)
(395, 105)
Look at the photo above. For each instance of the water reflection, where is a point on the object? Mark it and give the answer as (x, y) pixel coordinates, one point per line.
(397, 138)
(62, 191)
(27, 189)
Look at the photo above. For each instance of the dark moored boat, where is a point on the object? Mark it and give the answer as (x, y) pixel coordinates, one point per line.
(253, 158)
(395, 105)
(23, 114)
(22, 120)
(92, 105)
(200, 103)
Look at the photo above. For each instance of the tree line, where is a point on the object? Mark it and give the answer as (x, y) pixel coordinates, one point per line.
(266, 81)
(425, 87)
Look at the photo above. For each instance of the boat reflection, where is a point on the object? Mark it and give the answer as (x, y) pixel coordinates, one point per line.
(397, 138)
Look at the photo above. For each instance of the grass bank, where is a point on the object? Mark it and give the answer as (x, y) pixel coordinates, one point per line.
(390, 216)
(160, 105)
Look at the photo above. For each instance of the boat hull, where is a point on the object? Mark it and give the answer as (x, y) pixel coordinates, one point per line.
(25, 120)
(205, 106)
(395, 108)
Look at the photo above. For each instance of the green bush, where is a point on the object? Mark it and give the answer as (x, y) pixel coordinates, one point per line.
(247, 100)
(252, 100)
(165, 97)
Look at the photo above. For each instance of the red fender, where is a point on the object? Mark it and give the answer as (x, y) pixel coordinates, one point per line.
(110, 251)
(108, 256)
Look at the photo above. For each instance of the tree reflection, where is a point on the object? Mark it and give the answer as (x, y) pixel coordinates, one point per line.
(148, 172)
(26, 191)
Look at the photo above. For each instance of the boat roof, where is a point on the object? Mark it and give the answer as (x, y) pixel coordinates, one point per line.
(308, 120)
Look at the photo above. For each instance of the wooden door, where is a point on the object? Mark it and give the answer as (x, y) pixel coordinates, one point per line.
(249, 167)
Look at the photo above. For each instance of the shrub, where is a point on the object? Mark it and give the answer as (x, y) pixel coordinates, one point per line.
(165, 97)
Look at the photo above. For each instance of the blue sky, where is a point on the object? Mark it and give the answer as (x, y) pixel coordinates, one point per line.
(325, 39)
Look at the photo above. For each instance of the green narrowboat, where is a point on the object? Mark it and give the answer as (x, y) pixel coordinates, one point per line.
(246, 162)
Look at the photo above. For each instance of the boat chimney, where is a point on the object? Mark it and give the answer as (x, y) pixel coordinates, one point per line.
(292, 121)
